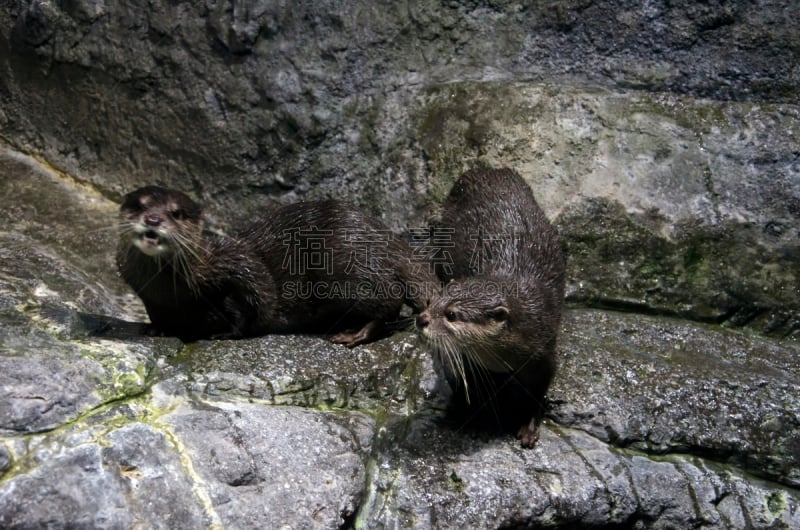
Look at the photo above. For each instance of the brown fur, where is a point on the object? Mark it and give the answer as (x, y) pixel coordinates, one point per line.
(494, 327)
(204, 286)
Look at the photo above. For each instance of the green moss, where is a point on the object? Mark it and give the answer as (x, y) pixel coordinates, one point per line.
(700, 116)
(122, 376)
(456, 482)
(720, 273)
(184, 354)
(131, 384)
(776, 502)
(692, 257)
(458, 122)
(98, 422)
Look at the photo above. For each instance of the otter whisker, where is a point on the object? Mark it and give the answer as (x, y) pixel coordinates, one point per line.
(455, 360)
(486, 392)
(401, 324)
(139, 289)
(186, 271)
(122, 226)
(189, 259)
(488, 356)
(478, 368)
(201, 283)
(188, 245)
(496, 321)
(177, 271)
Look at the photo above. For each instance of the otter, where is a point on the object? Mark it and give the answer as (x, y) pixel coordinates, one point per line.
(312, 267)
(194, 284)
(493, 329)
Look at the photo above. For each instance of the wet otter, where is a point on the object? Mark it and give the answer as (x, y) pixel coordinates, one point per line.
(494, 327)
(313, 267)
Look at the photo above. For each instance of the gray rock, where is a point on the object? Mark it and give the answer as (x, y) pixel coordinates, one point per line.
(133, 477)
(257, 102)
(169, 463)
(42, 392)
(53, 297)
(268, 467)
(664, 386)
(666, 204)
(5, 459)
(438, 478)
(305, 371)
(56, 239)
(661, 138)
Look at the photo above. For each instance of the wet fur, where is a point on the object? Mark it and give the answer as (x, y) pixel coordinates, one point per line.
(204, 285)
(210, 286)
(392, 267)
(496, 346)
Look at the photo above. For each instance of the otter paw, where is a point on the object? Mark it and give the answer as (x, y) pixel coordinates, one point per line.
(528, 435)
(346, 338)
(372, 331)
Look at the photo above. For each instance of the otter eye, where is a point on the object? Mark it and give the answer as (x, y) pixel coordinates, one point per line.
(178, 214)
(499, 313)
(135, 206)
(450, 316)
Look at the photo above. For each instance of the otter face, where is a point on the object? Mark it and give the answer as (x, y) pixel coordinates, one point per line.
(467, 321)
(159, 221)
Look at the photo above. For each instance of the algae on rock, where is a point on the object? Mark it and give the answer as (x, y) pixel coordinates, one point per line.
(647, 191)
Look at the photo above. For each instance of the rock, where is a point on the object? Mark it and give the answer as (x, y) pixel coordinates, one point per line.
(266, 467)
(5, 460)
(325, 375)
(196, 466)
(666, 204)
(53, 297)
(252, 103)
(259, 104)
(56, 239)
(438, 478)
(660, 138)
(42, 392)
(662, 386)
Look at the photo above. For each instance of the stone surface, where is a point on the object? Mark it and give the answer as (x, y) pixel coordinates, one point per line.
(129, 476)
(173, 463)
(662, 386)
(263, 101)
(654, 422)
(435, 478)
(661, 138)
(266, 467)
(667, 204)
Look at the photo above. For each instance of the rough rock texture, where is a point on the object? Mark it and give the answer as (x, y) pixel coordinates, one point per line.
(261, 101)
(661, 137)
(667, 204)
(654, 422)
(674, 125)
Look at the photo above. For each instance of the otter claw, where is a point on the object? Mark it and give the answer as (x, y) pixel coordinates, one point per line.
(528, 435)
(369, 333)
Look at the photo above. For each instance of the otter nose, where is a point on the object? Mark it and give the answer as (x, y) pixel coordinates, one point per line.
(152, 219)
(423, 320)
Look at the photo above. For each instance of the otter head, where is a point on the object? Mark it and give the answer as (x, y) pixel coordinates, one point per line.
(159, 221)
(470, 319)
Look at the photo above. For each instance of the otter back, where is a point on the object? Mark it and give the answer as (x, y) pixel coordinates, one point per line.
(314, 267)
(493, 330)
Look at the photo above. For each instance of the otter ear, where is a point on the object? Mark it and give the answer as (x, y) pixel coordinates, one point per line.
(499, 313)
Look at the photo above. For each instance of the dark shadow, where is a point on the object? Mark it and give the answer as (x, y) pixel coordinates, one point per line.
(110, 327)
